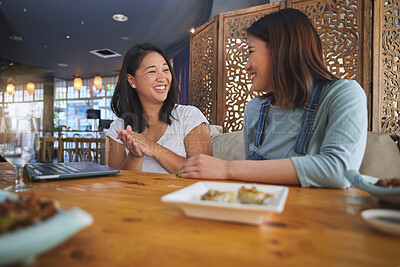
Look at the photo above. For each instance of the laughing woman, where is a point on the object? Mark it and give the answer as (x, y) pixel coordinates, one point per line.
(152, 133)
(309, 127)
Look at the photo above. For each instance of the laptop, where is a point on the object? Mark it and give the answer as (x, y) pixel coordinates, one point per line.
(66, 170)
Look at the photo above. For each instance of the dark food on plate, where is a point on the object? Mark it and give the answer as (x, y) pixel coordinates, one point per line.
(388, 182)
(253, 196)
(23, 212)
(218, 196)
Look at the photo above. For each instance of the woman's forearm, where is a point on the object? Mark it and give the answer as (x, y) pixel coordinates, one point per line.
(169, 160)
(278, 171)
(132, 163)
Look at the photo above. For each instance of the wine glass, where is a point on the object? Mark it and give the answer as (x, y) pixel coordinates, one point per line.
(18, 145)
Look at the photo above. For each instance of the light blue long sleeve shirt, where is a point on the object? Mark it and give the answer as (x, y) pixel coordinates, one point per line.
(338, 137)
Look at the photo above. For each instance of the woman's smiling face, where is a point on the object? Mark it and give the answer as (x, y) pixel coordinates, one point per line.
(258, 65)
(152, 79)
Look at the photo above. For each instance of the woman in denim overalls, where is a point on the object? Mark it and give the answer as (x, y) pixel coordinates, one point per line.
(308, 128)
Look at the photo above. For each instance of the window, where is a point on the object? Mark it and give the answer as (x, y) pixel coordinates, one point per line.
(70, 105)
(21, 103)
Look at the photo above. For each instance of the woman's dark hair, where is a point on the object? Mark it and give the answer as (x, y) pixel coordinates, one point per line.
(125, 102)
(296, 55)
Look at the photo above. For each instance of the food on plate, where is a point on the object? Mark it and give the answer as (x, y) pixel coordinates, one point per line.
(244, 195)
(218, 196)
(388, 182)
(253, 196)
(25, 211)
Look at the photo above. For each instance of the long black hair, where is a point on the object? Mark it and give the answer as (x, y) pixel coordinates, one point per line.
(296, 55)
(125, 102)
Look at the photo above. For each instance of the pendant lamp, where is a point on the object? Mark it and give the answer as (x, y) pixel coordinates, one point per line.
(30, 87)
(10, 88)
(98, 82)
(77, 83)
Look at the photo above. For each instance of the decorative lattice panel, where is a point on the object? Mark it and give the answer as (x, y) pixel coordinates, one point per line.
(338, 24)
(388, 83)
(203, 69)
(236, 81)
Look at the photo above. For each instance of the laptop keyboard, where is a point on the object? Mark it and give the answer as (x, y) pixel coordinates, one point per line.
(51, 169)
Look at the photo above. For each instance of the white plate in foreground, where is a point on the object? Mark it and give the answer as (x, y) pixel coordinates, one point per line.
(387, 221)
(189, 199)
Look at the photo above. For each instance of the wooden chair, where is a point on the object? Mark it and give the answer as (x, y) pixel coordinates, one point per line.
(80, 149)
(47, 148)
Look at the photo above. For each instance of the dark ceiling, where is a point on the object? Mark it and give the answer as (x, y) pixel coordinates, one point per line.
(57, 35)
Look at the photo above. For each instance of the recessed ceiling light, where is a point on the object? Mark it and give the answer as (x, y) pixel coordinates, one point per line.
(62, 65)
(120, 17)
(15, 38)
(67, 36)
(126, 38)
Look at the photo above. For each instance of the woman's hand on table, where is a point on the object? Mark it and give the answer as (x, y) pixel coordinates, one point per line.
(204, 167)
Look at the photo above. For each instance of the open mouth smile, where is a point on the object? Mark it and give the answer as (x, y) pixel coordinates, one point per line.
(160, 88)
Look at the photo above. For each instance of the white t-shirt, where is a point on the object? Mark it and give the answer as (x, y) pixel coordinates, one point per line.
(185, 118)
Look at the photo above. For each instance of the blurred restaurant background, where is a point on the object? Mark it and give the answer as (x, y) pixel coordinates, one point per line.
(59, 61)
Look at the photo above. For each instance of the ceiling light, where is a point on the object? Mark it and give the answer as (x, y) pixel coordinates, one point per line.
(192, 30)
(15, 38)
(30, 87)
(62, 65)
(77, 83)
(98, 82)
(120, 17)
(67, 36)
(10, 88)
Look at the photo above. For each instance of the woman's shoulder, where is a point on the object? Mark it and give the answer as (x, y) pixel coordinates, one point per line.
(254, 104)
(187, 117)
(342, 85)
(345, 89)
(184, 110)
(118, 123)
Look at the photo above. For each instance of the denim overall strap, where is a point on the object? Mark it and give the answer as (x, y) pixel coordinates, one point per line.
(261, 120)
(311, 111)
(260, 128)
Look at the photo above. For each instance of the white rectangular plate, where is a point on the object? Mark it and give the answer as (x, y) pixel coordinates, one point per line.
(189, 199)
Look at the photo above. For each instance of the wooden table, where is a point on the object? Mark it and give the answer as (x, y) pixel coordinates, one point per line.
(132, 227)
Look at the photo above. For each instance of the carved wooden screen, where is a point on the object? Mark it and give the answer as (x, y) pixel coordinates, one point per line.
(343, 32)
(203, 69)
(235, 91)
(386, 78)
